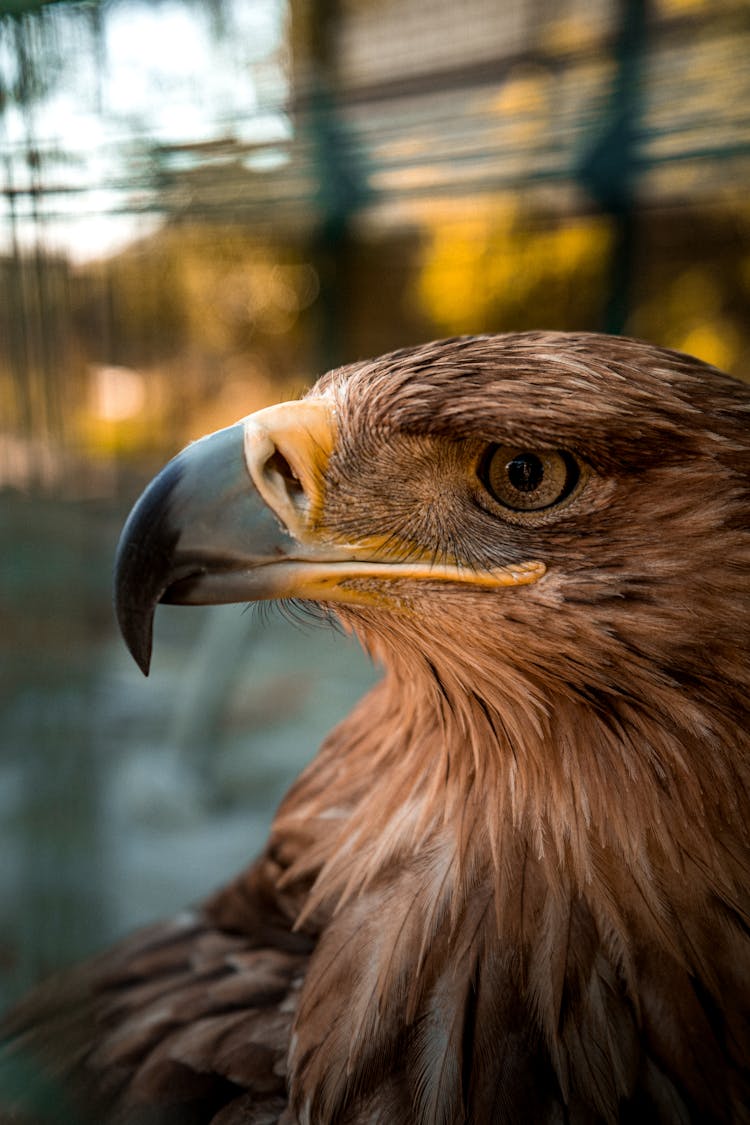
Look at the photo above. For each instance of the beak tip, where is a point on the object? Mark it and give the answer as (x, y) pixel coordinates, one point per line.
(142, 657)
(143, 558)
(137, 632)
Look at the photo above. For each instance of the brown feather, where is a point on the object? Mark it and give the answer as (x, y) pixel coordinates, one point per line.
(515, 883)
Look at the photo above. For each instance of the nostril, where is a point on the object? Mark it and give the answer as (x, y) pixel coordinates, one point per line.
(277, 463)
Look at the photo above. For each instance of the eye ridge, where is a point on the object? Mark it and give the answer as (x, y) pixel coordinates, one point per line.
(526, 480)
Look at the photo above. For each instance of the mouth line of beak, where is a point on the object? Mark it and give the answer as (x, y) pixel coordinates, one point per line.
(217, 581)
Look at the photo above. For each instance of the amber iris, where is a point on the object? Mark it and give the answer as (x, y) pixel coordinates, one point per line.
(527, 480)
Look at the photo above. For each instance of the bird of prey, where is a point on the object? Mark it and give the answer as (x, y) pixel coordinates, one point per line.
(514, 885)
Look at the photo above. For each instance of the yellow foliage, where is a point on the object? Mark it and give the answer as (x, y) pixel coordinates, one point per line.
(714, 341)
(689, 312)
(483, 269)
(99, 437)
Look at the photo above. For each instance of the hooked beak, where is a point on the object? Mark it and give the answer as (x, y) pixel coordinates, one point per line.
(238, 516)
(221, 518)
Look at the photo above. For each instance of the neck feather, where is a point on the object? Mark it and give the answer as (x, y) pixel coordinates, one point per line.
(471, 783)
(559, 862)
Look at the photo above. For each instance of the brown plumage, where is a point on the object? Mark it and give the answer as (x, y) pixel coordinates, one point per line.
(513, 886)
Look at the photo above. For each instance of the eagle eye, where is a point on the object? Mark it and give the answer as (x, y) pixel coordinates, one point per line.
(528, 480)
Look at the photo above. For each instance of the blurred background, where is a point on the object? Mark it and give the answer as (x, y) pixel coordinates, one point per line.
(203, 205)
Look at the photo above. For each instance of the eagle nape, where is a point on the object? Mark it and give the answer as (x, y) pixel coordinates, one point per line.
(514, 883)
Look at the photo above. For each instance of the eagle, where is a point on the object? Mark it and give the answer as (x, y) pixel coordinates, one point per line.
(514, 884)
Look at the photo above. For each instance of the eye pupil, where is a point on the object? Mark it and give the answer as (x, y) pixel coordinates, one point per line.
(525, 472)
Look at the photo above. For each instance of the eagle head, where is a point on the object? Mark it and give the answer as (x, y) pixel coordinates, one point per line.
(538, 822)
